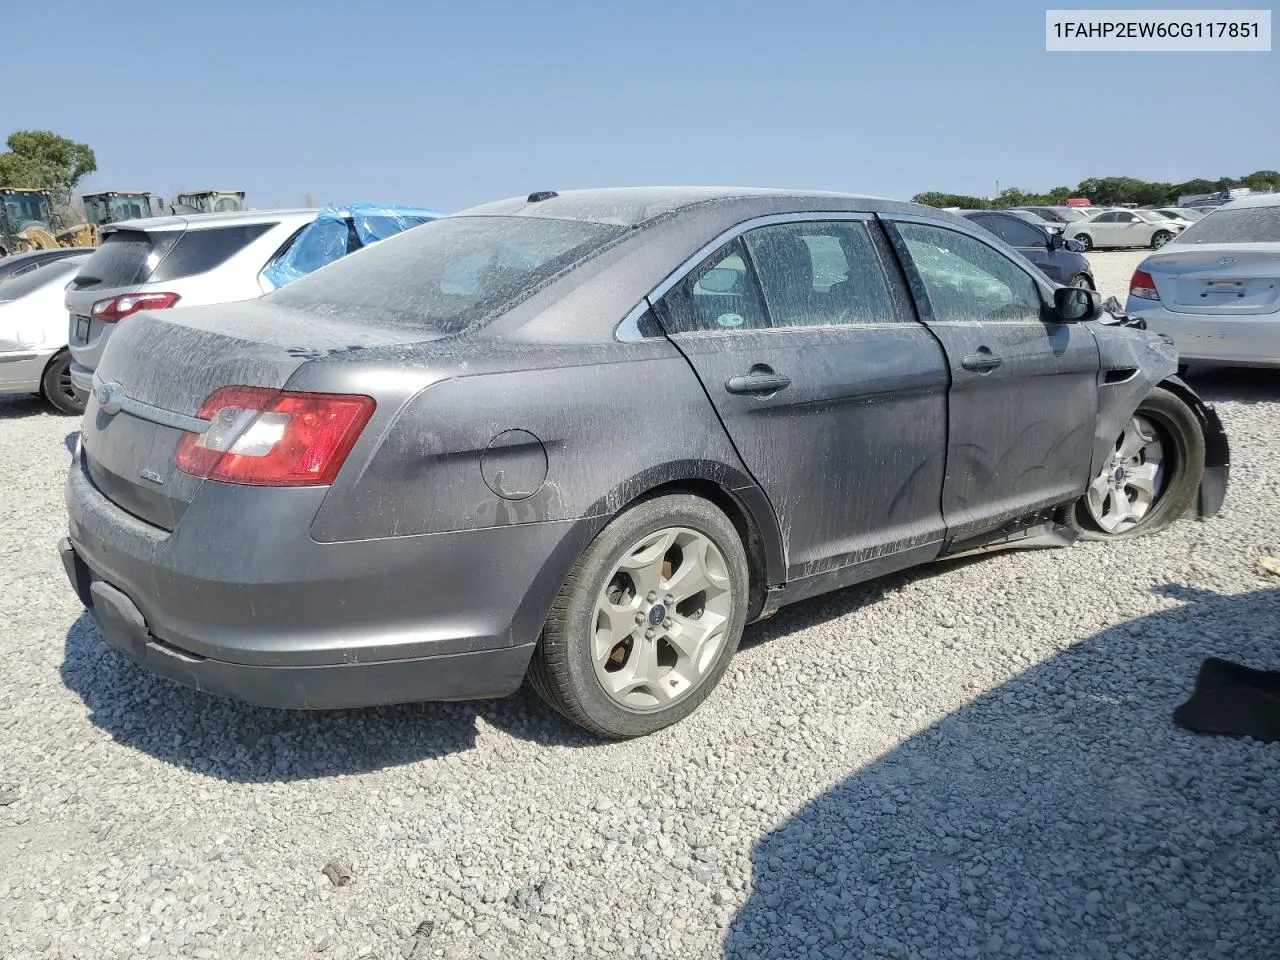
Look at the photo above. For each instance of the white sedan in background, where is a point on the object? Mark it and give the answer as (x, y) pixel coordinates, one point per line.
(33, 334)
(1215, 289)
(1126, 228)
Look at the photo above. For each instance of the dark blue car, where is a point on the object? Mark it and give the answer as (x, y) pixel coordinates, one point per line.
(1061, 260)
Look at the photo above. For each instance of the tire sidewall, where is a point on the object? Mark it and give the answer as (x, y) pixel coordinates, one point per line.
(599, 563)
(1086, 240)
(51, 391)
(1155, 239)
(1180, 430)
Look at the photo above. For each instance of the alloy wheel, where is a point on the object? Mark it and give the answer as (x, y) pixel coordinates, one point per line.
(661, 619)
(1132, 479)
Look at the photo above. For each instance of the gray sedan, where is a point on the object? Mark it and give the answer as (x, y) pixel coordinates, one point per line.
(1215, 290)
(588, 437)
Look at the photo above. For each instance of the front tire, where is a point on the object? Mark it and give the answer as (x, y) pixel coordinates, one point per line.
(1160, 238)
(1081, 280)
(647, 620)
(55, 386)
(1150, 478)
(1085, 241)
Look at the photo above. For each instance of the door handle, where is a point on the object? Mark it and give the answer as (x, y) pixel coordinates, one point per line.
(983, 361)
(757, 383)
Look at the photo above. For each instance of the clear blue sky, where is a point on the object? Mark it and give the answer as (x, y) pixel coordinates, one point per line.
(451, 104)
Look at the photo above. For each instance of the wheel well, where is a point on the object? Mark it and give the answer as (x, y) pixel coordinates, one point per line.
(52, 360)
(742, 521)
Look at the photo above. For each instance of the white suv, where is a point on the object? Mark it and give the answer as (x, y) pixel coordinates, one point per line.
(164, 262)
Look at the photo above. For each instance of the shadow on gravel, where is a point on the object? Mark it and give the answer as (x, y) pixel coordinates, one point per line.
(1060, 815)
(1235, 384)
(70, 441)
(21, 407)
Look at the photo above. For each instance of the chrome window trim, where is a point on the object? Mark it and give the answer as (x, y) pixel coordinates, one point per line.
(628, 329)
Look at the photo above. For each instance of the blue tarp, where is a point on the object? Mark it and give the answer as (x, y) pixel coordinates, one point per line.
(329, 237)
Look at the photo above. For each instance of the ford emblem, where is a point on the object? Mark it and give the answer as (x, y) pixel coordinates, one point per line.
(110, 397)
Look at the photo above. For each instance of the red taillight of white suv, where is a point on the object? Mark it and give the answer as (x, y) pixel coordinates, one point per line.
(115, 309)
(1142, 286)
(272, 438)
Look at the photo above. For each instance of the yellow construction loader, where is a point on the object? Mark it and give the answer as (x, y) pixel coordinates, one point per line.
(26, 223)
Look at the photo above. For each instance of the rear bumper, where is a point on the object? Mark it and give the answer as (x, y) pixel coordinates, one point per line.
(81, 381)
(1199, 338)
(239, 601)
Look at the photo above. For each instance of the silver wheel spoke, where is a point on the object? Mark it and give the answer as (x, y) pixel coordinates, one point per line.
(614, 623)
(695, 574)
(644, 562)
(1133, 440)
(1143, 478)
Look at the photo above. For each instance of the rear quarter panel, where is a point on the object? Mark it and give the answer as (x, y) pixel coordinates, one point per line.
(623, 419)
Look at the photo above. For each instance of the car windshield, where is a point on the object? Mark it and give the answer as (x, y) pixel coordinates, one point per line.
(1241, 225)
(446, 276)
(1070, 215)
(1185, 214)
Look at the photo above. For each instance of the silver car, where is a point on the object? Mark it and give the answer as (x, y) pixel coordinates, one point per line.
(1125, 228)
(33, 333)
(1215, 289)
(164, 262)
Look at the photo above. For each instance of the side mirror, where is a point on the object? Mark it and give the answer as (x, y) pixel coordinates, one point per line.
(1056, 242)
(1077, 304)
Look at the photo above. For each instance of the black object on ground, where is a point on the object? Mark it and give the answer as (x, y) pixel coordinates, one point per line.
(1233, 699)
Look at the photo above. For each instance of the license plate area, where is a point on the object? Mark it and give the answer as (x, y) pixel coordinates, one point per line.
(82, 329)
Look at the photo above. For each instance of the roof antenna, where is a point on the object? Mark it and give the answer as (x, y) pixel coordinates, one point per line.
(541, 195)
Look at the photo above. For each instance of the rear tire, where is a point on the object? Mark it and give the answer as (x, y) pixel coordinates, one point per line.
(1084, 240)
(603, 628)
(1151, 478)
(55, 386)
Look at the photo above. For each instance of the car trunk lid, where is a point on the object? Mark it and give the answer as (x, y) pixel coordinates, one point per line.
(1225, 280)
(161, 368)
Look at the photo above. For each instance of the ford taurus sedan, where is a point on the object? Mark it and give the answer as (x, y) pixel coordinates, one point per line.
(586, 438)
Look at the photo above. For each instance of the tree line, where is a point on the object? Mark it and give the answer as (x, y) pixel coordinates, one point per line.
(1104, 191)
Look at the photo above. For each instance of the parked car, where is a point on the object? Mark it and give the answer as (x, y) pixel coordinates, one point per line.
(1179, 213)
(18, 264)
(1061, 260)
(164, 262)
(1215, 288)
(1048, 226)
(1125, 228)
(33, 333)
(1061, 215)
(587, 437)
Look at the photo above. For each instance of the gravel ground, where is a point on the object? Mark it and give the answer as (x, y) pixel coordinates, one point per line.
(974, 759)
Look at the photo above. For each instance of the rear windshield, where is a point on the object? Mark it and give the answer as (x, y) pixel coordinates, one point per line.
(125, 258)
(448, 275)
(57, 271)
(1242, 225)
(199, 251)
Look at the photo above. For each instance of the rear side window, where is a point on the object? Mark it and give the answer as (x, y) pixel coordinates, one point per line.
(451, 274)
(1242, 225)
(719, 295)
(125, 258)
(1013, 232)
(198, 251)
(820, 274)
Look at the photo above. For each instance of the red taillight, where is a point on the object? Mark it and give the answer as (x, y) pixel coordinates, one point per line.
(271, 438)
(1142, 286)
(114, 309)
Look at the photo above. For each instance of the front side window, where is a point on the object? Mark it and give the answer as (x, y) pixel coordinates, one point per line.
(967, 280)
(824, 273)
